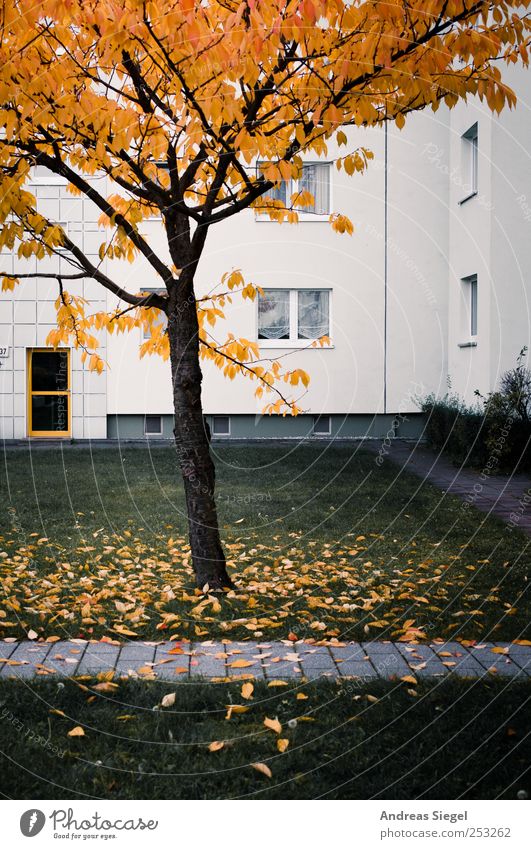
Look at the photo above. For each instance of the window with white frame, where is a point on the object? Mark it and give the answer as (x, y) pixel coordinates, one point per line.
(315, 179)
(469, 322)
(293, 316)
(160, 320)
(469, 154)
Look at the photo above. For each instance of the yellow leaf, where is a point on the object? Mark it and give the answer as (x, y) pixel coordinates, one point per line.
(301, 696)
(247, 691)
(241, 664)
(57, 712)
(215, 746)
(260, 767)
(168, 700)
(282, 744)
(76, 732)
(273, 725)
(276, 682)
(409, 679)
(235, 709)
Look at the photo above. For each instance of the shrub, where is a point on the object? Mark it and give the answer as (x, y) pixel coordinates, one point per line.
(495, 434)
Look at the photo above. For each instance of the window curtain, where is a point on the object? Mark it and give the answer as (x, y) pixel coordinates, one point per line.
(273, 314)
(313, 312)
(316, 180)
(279, 192)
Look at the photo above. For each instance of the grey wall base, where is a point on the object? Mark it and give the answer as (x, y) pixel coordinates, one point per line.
(355, 426)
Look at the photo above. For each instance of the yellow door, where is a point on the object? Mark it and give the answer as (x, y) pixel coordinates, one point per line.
(49, 412)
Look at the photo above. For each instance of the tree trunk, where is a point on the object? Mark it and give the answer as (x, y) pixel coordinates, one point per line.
(192, 441)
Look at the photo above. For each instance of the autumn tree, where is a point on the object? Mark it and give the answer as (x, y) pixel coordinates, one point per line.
(176, 101)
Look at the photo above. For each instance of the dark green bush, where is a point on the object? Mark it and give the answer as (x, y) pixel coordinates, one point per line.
(494, 435)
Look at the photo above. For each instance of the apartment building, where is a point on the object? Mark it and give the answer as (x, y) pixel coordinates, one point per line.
(432, 288)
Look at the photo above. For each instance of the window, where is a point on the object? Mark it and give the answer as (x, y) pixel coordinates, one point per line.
(293, 316)
(473, 286)
(160, 320)
(48, 392)
(470, 162)
(315, 179)
(41, 176)
(153, 425)
(220, 425)
(469, 317)
(322, 426)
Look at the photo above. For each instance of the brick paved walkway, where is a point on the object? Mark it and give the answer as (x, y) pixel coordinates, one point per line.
(500, 495)
(170, 661)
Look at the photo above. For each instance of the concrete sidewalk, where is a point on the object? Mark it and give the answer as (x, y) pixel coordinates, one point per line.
(172, 661)
(506, 496)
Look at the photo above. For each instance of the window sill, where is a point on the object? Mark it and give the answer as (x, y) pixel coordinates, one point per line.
(467, 197)
(293, 343)
(470, 344)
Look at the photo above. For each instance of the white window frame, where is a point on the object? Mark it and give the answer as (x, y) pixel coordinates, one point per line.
(153, 432)
(213, 429)
(158, 291)
(262, 216)
(294, 341)
(322, 432)
(470, 312)
(470, 161)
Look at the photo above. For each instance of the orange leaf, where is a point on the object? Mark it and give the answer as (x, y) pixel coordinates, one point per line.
(259, 767)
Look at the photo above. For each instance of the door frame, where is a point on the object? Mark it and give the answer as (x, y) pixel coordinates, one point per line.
(46, 434)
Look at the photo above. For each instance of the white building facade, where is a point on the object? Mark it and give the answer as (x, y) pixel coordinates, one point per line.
(432, 288)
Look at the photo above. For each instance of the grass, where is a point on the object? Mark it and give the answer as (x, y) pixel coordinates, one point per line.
(454, 739)
(321, 543)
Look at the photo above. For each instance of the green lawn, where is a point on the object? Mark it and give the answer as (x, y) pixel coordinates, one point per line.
(321, 543)
(453, 739)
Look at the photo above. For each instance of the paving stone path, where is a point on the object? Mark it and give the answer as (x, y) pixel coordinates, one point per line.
(282, 660)
(505, 496)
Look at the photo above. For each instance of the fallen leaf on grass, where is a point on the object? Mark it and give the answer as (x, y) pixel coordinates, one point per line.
(259, 767)
(247, 691)
(276, 682)
(32, 635)
(409, 679)
(215, 746)
(235, 709)
(301, 696)
(273, 725)
(76, 732)
(168, 700)
(282, 744)
(106, 687)
(57, 712)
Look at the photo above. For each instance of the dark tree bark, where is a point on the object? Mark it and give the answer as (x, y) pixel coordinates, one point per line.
(192, 440)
